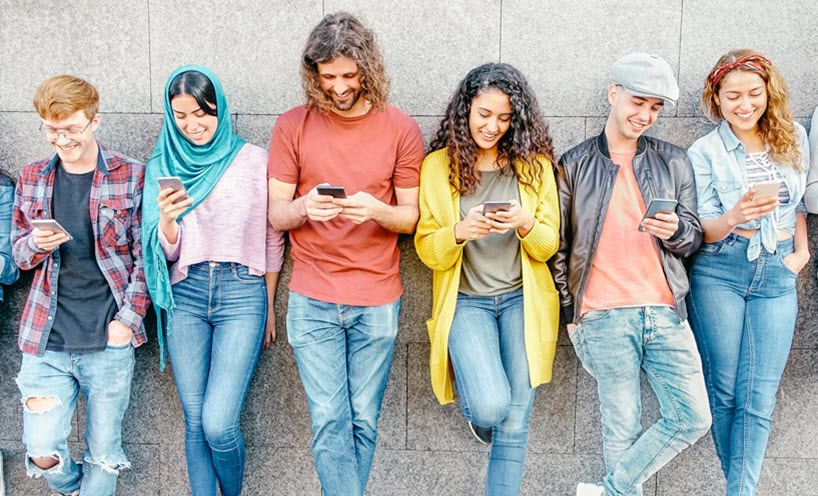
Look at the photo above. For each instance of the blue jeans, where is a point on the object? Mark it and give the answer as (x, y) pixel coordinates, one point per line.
(344, 354)
(104, 378)
(613, 345)
(487, 348)
(214, 345)
(743, 314)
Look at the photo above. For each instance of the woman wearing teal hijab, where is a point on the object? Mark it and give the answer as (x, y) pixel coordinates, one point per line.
(216, 300)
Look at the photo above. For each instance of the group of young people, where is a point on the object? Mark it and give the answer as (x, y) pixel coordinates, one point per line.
(514, 239)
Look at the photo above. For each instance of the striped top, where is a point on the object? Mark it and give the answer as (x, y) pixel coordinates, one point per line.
(760, 168)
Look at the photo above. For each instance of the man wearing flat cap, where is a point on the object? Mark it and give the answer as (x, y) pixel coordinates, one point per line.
(621, 279)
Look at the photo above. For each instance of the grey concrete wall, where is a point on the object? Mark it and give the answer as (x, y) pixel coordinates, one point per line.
(564, 46)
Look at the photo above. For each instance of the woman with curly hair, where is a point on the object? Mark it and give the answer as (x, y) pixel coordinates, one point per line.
(489, 220)
(750, 178)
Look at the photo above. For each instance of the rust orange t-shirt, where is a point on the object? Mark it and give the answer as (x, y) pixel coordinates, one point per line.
(339, 261)
(627, 267)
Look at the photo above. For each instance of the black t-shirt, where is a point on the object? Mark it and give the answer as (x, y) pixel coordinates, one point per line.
(85, 303)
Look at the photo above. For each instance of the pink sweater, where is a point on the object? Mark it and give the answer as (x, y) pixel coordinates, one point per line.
(230, 225)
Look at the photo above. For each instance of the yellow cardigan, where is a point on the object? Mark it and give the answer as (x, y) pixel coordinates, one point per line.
(437, 248)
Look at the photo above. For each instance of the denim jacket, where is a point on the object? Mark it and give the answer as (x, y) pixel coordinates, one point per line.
(8, 269)
(718, 160)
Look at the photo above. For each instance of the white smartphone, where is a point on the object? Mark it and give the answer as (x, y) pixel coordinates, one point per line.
(657, 205)
(51, 225)
(172, 182)
(765, 189)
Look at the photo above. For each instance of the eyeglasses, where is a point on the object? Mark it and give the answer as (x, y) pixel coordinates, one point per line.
(72, 134)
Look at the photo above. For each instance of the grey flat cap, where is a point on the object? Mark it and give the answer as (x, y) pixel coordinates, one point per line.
(646, 75)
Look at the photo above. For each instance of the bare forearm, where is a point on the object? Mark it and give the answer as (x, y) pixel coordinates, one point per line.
(716, 229)
(397, 218)
(800, 242)
(271, 278)
(287, 214)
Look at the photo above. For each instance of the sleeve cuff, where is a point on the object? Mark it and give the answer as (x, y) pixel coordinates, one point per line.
(127, 316)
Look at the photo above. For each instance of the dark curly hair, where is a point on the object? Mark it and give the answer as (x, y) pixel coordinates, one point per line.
(342, 35)
(527, 137)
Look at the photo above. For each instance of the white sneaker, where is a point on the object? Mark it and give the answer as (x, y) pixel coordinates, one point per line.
(585, 489)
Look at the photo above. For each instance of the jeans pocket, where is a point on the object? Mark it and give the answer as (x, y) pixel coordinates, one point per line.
(118, 346)
(242, 274)
(593, 316)
(711, 248)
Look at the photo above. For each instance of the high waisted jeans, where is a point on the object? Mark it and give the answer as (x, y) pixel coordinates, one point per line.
(743, 315)
(214, 346)
(487, 348)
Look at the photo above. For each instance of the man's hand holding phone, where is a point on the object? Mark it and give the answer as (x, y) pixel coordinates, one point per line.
(321, 208)
(660, 219)
(47, 237)
(360, 207)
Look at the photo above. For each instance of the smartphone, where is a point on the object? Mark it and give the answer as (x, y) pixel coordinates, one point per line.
(491, 207)
(333, 191)
(51, 225)
(172, 182)
(658, 205)
(765, 189)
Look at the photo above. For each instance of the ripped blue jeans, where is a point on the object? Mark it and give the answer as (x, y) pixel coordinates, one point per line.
(105, 381)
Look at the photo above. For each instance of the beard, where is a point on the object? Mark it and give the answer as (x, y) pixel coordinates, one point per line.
(347, 102)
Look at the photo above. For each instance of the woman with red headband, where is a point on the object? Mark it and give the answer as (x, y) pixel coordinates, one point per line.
(750, 177)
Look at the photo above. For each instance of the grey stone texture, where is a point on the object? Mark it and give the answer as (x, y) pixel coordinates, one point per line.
(564, 47)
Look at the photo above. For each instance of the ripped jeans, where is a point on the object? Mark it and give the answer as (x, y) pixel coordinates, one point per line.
(105, 380)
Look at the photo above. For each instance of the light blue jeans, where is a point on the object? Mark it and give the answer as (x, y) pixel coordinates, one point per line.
(105, 381)
(487, 348)
(214, 346)
(743, 314)
(344, 354)
(613, 346)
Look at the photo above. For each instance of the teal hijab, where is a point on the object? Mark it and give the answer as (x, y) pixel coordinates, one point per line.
(199, 167)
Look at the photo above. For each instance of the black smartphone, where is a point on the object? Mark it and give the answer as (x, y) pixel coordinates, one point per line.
(333, 191)
(658, 205)
(491, 207)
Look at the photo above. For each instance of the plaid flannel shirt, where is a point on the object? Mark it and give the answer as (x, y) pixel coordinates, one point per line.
(116, 217)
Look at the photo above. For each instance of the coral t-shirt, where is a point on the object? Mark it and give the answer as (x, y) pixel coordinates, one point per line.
(339, 261)
(627, 267)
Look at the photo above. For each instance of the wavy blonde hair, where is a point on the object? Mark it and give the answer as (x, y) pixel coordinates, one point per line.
(776, 126)
(342, 35)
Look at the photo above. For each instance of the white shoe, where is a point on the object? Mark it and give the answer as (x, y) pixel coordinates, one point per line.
(585, 489)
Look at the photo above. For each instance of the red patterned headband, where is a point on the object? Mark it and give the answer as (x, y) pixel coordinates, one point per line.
(751, 62)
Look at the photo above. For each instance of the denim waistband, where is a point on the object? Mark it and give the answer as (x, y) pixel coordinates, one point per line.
(211, 265)
(735, 239)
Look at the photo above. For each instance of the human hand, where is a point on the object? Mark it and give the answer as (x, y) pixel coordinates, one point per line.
(319, 207)
(48, 240)
(118, 333)
(796, 261)
(515, 217)
(663, 225)
(474, 226)
(270, 329)
(750, 208)
(359, 207)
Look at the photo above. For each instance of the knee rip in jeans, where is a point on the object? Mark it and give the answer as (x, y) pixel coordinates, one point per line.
(107, 466)
(53, 463)
(41, 404)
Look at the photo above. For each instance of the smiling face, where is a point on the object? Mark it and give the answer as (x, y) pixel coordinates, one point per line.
(742, 100)
(79, 152)
(489, 118)
(631, 115)
(341, 82)
(192, 121)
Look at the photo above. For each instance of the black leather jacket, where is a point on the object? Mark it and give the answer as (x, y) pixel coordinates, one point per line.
(585, 183)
